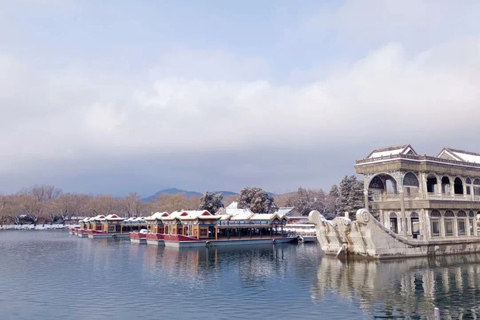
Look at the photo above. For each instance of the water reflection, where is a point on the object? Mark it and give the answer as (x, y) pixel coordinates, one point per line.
(409, 288)
(251, 266)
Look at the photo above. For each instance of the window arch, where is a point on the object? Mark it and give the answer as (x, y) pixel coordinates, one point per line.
(471, 222)
(458, 186)
(448, 221)
(461, 223)
(410, 180)
(476, 187)
(436, 214)
(393, 222)
(435, 223)
(445, 185)
(432, 183)
(414, 224)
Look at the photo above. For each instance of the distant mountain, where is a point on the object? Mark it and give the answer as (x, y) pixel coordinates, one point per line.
(187, 193)
(226, 193)
(171, 191)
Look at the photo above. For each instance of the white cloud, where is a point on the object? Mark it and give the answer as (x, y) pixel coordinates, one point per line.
(384, 94)
(209, 101)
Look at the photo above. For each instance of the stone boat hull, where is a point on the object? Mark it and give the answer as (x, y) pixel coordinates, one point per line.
(368, 238)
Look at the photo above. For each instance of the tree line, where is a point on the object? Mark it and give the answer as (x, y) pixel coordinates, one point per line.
(42, 204)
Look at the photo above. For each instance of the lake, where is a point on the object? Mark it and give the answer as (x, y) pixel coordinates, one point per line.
(51, 274)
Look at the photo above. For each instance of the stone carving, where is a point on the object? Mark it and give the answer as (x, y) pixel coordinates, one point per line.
(363, 216)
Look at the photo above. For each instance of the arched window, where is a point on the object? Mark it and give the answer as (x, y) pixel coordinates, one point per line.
(468, 182)
(458, 186)
(431, 183)
(445, 185)
(410, 180)
(476, 187)
(448, 218)
(461, 223)
(393, 222)
(415, 227)
(471, 222)
(435, 223)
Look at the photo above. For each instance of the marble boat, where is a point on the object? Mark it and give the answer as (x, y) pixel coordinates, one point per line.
(415, 205)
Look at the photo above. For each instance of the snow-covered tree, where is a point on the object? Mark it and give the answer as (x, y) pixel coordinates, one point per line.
(256, 200)
(331, 203)
(351, 196)
(211, 202)
(306, 200)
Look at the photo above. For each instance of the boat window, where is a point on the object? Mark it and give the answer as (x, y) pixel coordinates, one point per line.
(458, 186)
(435, 228)
(449, 227)
(445, 185)
(431, 183)
(449, 215)
(435, 223)
(461, 223)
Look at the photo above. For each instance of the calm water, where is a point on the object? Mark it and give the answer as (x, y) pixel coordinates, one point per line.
(50, 274)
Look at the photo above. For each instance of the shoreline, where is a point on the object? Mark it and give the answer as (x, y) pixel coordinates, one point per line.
(36, 227)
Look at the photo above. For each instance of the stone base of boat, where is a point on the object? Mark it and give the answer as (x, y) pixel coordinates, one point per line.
(221, 243)
(368, 238)
(109, 236)
(139, 241)
(156, 242)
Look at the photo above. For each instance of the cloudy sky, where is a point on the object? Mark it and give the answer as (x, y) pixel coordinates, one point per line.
(118, 96)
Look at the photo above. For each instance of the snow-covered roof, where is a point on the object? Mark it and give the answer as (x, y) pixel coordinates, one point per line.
(157, 215)
(384, 152)
(284, 210)
(196, 214)
(233, 205)
(113, 217)
(177, 214)
(96, 218)
(243, 214)
(266, 216)
(459, 155)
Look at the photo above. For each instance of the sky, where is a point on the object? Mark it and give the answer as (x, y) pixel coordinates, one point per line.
(116, 96)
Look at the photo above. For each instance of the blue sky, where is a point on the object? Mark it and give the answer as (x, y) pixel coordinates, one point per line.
(119, 96)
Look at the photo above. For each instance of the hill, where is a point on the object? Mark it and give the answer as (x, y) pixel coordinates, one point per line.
(187, 193)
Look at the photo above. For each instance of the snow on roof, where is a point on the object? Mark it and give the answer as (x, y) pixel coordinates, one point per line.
(459, 155)
(225, 216)
(235, 212)
(242, 214)
(265, 216)
(113, 217)
(233, 205)
(157, 215)
(99, 217)
(196, 213)
(284, 210)
(383, 152)
(176, 214)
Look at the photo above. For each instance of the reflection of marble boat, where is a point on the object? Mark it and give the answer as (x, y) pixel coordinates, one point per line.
(404, 289)
(367, 237)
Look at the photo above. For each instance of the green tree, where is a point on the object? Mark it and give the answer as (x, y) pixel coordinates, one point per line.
(307, 200)
(350, 196)
(211, 202)
(256, 200)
